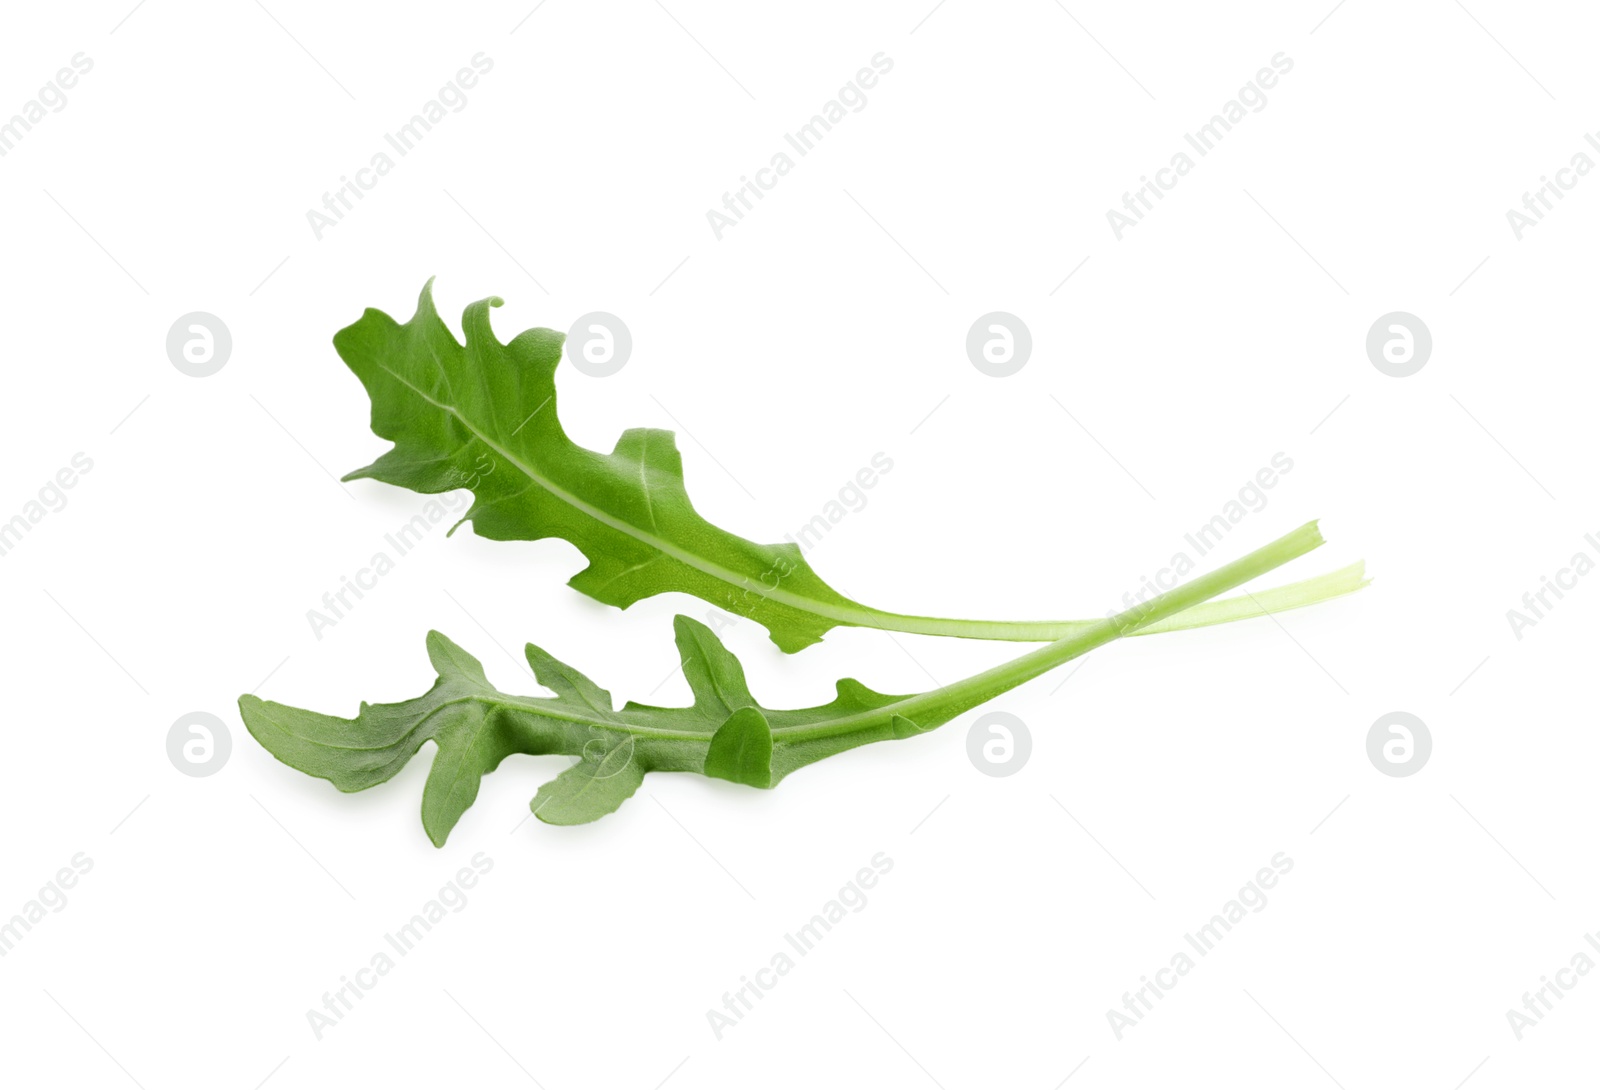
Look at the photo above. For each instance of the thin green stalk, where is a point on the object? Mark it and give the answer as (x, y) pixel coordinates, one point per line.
(1296, 595)
(942, 705)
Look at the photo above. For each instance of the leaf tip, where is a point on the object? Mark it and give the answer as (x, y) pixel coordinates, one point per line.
(685, 627)
(450, 661)
(436, 835)
(249, 708)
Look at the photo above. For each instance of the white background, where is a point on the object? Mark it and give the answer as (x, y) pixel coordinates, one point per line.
(825, 328)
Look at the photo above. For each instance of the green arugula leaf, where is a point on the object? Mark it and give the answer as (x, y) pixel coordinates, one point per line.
(724, 733)
(482, 416)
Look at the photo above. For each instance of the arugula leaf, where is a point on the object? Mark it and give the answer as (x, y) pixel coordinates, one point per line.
(724, 733)
(483, 416)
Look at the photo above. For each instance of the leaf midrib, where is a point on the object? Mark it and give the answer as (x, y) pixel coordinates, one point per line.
(688, 559)
(639, 730)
